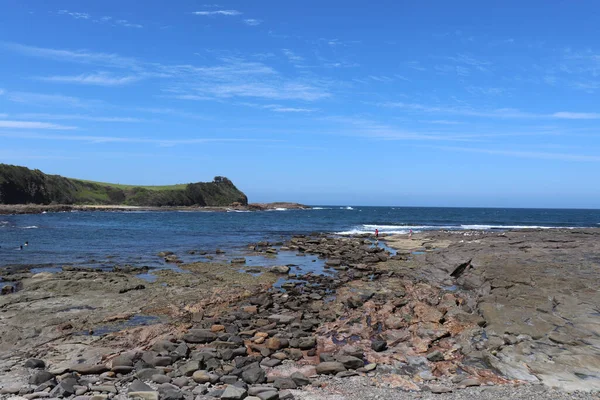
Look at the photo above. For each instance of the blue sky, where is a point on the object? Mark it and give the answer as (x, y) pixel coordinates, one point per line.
(462, 103)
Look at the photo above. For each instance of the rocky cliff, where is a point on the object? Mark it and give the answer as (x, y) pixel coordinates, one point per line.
(20, 185)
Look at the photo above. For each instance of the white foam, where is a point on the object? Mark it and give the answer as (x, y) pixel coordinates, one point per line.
(30, 227)
(346, 208)
(361, 232)
(487, 227)
(280, 209)
(320, 208)
(238, 211)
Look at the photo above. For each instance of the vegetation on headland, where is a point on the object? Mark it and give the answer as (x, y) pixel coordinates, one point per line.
(21, 185)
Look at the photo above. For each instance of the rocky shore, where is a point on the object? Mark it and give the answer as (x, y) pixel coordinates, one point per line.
(444, 315)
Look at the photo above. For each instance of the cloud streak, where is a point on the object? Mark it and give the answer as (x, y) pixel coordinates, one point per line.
(98, 79)
(528, 154)
(507, 113)
(8, 124)
(218, 12)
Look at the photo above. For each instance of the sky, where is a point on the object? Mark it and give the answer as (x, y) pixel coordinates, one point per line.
(404, 103)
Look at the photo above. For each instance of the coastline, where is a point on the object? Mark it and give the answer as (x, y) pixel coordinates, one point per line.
(520, 299)
(8, 209)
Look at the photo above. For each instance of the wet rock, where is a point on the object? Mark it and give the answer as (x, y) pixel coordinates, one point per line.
(35, 363)
(379, 345)
(284, 383)
(254, 375)
(40, 377)
(234, 393)
(330, 368)
(240, 260)
(280, 269)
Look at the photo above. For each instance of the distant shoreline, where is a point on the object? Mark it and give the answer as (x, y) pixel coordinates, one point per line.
(7, 209)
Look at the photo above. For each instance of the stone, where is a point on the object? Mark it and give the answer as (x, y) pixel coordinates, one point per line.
(351, 362)
(439, 389)
(307, 343)
(35, 363)
(240, 260)
(268, 395)
(10, 389)
(164, 346)
(300, 379)
(65, 388)
(88, 369)
(330, 368)
(234, 393)
(180, 382)
(254, 375)
(146, 373)
(122, 370)
(270, 362)
(106, 387)
(36, 395)
(469, 382)
(139, 386)
(394, 322)
(190, 367)
(199, 390)
(40, 377)
(143, 395)
(379, 345)
(169, 392)
(284, 383)
(160, 378)
(282, 319)
(201, 377)
(280, 269)
(435, 356)
(199, 336)
(273, 343)
(286, 395)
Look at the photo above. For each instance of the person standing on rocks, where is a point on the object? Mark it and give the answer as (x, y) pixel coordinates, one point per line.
(376, 233)
(410, 234)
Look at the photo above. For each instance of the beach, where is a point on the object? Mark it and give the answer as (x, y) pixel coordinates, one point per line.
(450, 314)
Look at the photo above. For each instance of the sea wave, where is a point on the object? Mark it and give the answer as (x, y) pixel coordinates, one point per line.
(404, 229)
(346, 208)
(319, 208)
(29, 227)
(238, 211)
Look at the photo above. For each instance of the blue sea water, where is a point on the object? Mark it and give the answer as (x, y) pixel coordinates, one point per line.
(117, 238)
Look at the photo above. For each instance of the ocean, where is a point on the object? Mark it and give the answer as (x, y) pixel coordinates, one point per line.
(104, 239)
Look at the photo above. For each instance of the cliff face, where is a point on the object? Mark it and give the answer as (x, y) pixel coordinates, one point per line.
(20, 185)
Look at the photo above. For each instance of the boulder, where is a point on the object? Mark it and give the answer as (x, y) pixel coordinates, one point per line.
(234, 393)
(330, 368)
(280, 269)
(254, 375)
(199, 336)
(35, 363)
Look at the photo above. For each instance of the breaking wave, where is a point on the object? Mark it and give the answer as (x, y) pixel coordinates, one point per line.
(404, 229)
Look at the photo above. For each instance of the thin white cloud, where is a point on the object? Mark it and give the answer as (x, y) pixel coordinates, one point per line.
(33, 125)
(528, 154)
(253, 22)
(495, 113)
(127, 24)
(2, 92)
(279, 108)
(79, 117)
(78, 56)
(171, 111)
(42, 99)
(218, 12)
(576, 115)
(99, 79)
(270, 90)
(122, 139)
(291, 56)
(76, 15)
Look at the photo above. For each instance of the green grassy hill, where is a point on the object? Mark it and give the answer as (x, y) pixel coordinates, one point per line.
(20, 185)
